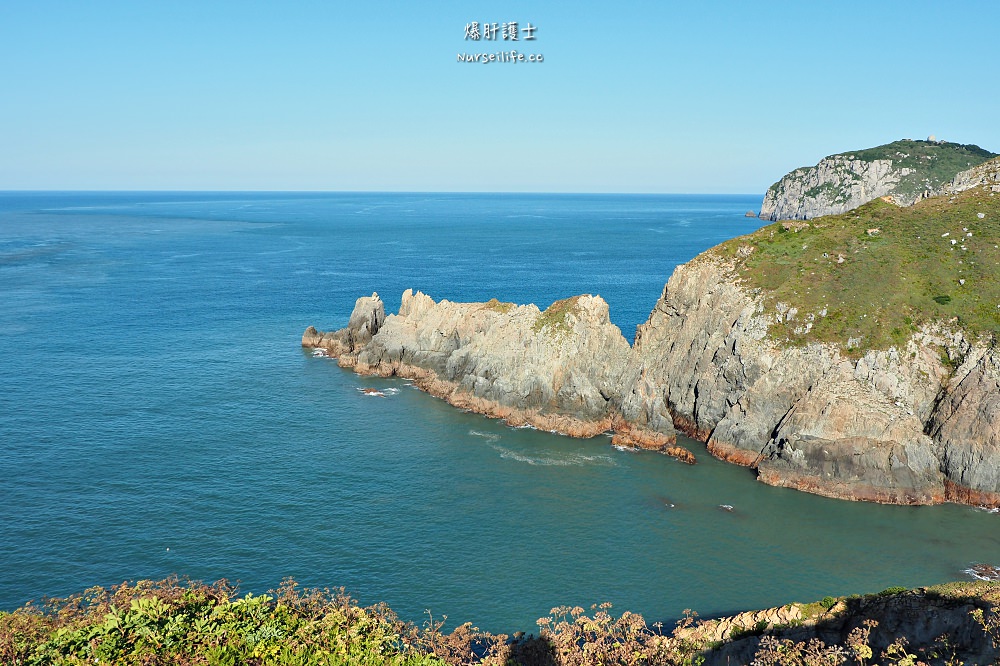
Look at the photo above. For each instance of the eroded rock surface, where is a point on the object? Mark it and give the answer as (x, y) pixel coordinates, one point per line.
(986, 174)
(895, 426)
(835, 185)
(562, 370)
(903, 172)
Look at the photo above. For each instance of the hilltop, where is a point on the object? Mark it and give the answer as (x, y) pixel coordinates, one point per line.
(870, 278)
(906, 170)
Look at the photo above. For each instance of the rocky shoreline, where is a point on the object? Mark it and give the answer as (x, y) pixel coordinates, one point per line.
(561, 371)
(892, 427)
(721, 360)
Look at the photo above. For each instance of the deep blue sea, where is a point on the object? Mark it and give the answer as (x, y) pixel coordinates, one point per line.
(158, 416)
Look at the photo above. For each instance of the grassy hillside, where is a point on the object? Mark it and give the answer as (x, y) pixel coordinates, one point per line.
(872, 275)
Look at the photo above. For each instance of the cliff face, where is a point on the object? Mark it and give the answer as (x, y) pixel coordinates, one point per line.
(986, 174)
(563, 369)
(894, 426)
(835, 185)
(905, 170)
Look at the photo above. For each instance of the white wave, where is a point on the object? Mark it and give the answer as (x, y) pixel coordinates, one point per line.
(608, 460)
(578, 460)
(488, 436)
(625, 449)
(320, 353)
(390, 391)
(984, 572)
(375, 393)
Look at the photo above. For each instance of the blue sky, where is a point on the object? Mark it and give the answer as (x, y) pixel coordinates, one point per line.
(631, 97)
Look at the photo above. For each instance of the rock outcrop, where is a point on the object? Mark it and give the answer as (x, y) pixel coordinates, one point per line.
(835, 185)
(366, 320)
(986, 174)
(894, 426)
(562, 370)
(905, 170)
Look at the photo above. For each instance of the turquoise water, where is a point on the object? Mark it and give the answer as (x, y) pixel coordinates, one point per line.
(158, 416)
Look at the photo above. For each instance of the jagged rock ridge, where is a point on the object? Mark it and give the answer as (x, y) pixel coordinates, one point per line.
(804, 417)
(563, 370)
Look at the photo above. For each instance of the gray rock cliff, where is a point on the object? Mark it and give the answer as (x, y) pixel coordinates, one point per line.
(835, 185)
(986, 174)
(906, 171)
(894, 426)
(911, 418)
(562, 370)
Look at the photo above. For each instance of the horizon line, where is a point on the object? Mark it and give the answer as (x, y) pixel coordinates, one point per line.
(260, 191)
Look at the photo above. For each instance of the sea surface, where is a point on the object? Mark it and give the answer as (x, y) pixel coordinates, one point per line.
(158, 416)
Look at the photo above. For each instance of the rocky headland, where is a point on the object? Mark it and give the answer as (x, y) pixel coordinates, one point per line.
(566, 369)
(854, 356)
(904, 170)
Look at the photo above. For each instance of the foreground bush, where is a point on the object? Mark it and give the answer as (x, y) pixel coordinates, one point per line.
(170, 622)
(187, 623)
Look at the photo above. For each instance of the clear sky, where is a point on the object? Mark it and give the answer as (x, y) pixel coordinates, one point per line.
(632, 96)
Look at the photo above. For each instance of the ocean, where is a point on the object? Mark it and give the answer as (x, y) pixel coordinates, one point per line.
(158, 416)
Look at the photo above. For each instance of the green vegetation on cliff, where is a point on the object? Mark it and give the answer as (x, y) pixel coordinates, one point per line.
(933, 163)
(498, 306)
(868, 278)
(187, 623)
(554, 317)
